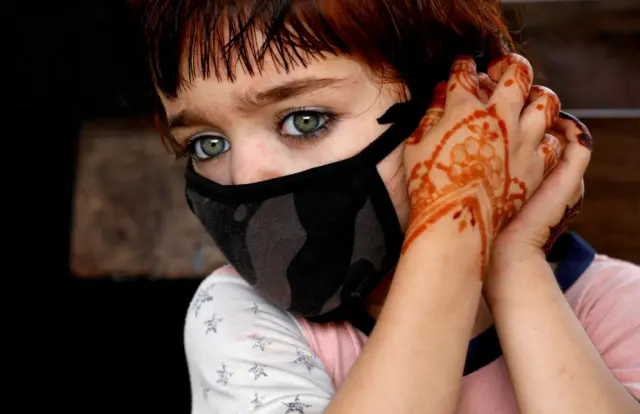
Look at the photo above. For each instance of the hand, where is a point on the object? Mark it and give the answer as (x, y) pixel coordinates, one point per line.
(558, 199)
(471, 161)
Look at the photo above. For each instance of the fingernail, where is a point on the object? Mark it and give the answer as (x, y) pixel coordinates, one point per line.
(584, 137)
(439, 95)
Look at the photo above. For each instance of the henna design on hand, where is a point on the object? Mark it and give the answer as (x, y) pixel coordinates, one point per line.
(523, 77)
(552, 150)
(551, 106)
(474, 172)
(556, 231)
(462, 73)
(485, 87)
(432, 116)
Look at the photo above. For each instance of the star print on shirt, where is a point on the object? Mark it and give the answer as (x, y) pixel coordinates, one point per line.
(223, 375)
(308, 360)
(255, 308)
(258, 400)
(296, 406)
(258, 371)
(212, 324)
(261, 342)
(201, 298)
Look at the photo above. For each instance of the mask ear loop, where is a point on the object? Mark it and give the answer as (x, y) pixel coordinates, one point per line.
(394, 113)
(403, 111)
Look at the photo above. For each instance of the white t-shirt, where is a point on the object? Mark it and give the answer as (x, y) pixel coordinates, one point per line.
(246, 356)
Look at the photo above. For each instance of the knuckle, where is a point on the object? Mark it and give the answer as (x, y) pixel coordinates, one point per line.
(521, 62)
(539, 91)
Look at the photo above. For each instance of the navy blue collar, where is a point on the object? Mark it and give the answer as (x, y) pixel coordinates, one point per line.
(573, 255)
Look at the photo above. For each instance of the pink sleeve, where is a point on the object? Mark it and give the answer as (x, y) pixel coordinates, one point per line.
(337, 345)
(606, 299)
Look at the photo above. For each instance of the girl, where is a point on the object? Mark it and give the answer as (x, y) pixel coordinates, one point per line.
(383, 172)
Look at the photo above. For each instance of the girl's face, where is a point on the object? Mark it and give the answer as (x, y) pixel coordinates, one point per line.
(274, 123)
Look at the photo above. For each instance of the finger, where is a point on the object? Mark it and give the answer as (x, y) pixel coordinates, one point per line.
(486, 87)
(574, 159)
(540, 113)
(432, 116)
(577, 153)
(514, 76)
(575, 129)
(559, 136)
(550, 150)
(463, 81)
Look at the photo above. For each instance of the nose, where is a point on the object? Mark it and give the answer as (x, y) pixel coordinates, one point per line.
(257, 159)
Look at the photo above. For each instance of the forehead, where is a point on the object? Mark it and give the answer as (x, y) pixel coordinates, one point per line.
(329, 71)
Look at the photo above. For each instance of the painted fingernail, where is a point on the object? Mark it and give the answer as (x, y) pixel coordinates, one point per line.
(584, 136)
(439, 95)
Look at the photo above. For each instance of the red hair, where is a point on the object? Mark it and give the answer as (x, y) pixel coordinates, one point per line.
(408, 41)
(412, 41)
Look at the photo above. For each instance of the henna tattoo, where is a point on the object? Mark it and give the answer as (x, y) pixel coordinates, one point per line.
(556, 231)
(552, 149)
(523, 77)
(428, 121)
(584, 136)
(551, 107)
(432, 116)
(480, 162)
(462, 73)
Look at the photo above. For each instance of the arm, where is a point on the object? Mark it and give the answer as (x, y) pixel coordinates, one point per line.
(478, 169)
(553, 363)
(413, 363)
(468, 174)
(246, 356)
(555, 368)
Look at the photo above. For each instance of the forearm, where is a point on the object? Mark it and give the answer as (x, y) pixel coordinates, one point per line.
(553, 364)
(414, 360)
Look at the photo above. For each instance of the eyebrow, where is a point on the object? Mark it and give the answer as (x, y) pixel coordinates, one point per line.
(261, 99)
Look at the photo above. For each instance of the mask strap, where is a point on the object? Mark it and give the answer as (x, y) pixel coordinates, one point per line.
(404, 118)
(397, 112)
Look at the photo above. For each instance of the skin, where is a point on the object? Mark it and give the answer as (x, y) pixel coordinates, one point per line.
(447, 268)
(259, 151)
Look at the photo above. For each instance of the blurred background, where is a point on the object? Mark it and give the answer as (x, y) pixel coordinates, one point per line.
(104, 254)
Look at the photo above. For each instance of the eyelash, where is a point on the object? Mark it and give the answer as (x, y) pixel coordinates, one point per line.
(329, 120)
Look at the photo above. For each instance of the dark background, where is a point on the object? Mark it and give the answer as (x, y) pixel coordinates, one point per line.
(98, 345)
(76, 345)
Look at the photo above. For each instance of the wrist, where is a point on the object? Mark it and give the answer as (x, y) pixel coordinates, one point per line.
(506, 255)
(460, 219)
(461, 254)
(509, 274)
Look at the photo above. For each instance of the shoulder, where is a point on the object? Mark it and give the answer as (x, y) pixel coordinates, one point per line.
(245, 355)
(230, 298)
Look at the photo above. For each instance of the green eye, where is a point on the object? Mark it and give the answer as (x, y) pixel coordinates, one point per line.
(208, 146)
(303, 123)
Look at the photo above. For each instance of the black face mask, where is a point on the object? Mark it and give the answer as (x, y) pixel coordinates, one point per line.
(314, 241)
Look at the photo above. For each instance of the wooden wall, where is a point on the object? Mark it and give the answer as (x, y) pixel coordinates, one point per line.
(131, 219)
